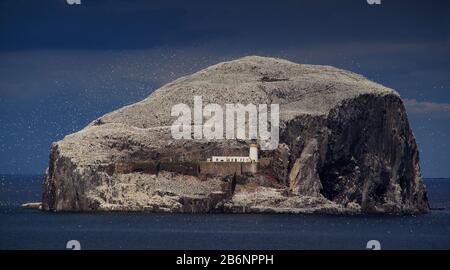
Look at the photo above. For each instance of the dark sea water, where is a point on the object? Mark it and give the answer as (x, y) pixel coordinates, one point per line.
(33, 229)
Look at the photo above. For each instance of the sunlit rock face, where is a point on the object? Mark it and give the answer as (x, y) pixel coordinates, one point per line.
(345, 147)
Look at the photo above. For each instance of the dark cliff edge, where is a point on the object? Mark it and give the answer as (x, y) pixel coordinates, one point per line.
(345, 147)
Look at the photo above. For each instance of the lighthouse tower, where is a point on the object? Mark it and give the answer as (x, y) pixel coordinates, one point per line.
(253, 153)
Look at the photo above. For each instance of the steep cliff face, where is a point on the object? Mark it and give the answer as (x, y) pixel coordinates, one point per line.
(362, 152)
(345, 147)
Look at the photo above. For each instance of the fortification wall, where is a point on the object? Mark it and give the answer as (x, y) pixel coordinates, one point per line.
(220, 168)
(201, 168)
(227, 168)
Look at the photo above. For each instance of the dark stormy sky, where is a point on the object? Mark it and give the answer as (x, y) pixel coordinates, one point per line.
(63, 65)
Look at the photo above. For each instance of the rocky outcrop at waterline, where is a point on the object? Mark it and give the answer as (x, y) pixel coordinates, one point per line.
(345, 147)
(32, 205)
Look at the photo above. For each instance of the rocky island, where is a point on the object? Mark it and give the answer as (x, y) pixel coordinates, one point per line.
(345, 147)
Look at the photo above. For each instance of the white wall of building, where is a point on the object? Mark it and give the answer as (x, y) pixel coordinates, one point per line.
(253, 157)
(230, 159)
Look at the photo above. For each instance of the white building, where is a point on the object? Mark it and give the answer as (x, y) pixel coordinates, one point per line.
(252, 157)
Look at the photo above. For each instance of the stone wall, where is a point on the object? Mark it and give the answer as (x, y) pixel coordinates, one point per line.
(155, 166)
(193, 168)
(227, 168)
